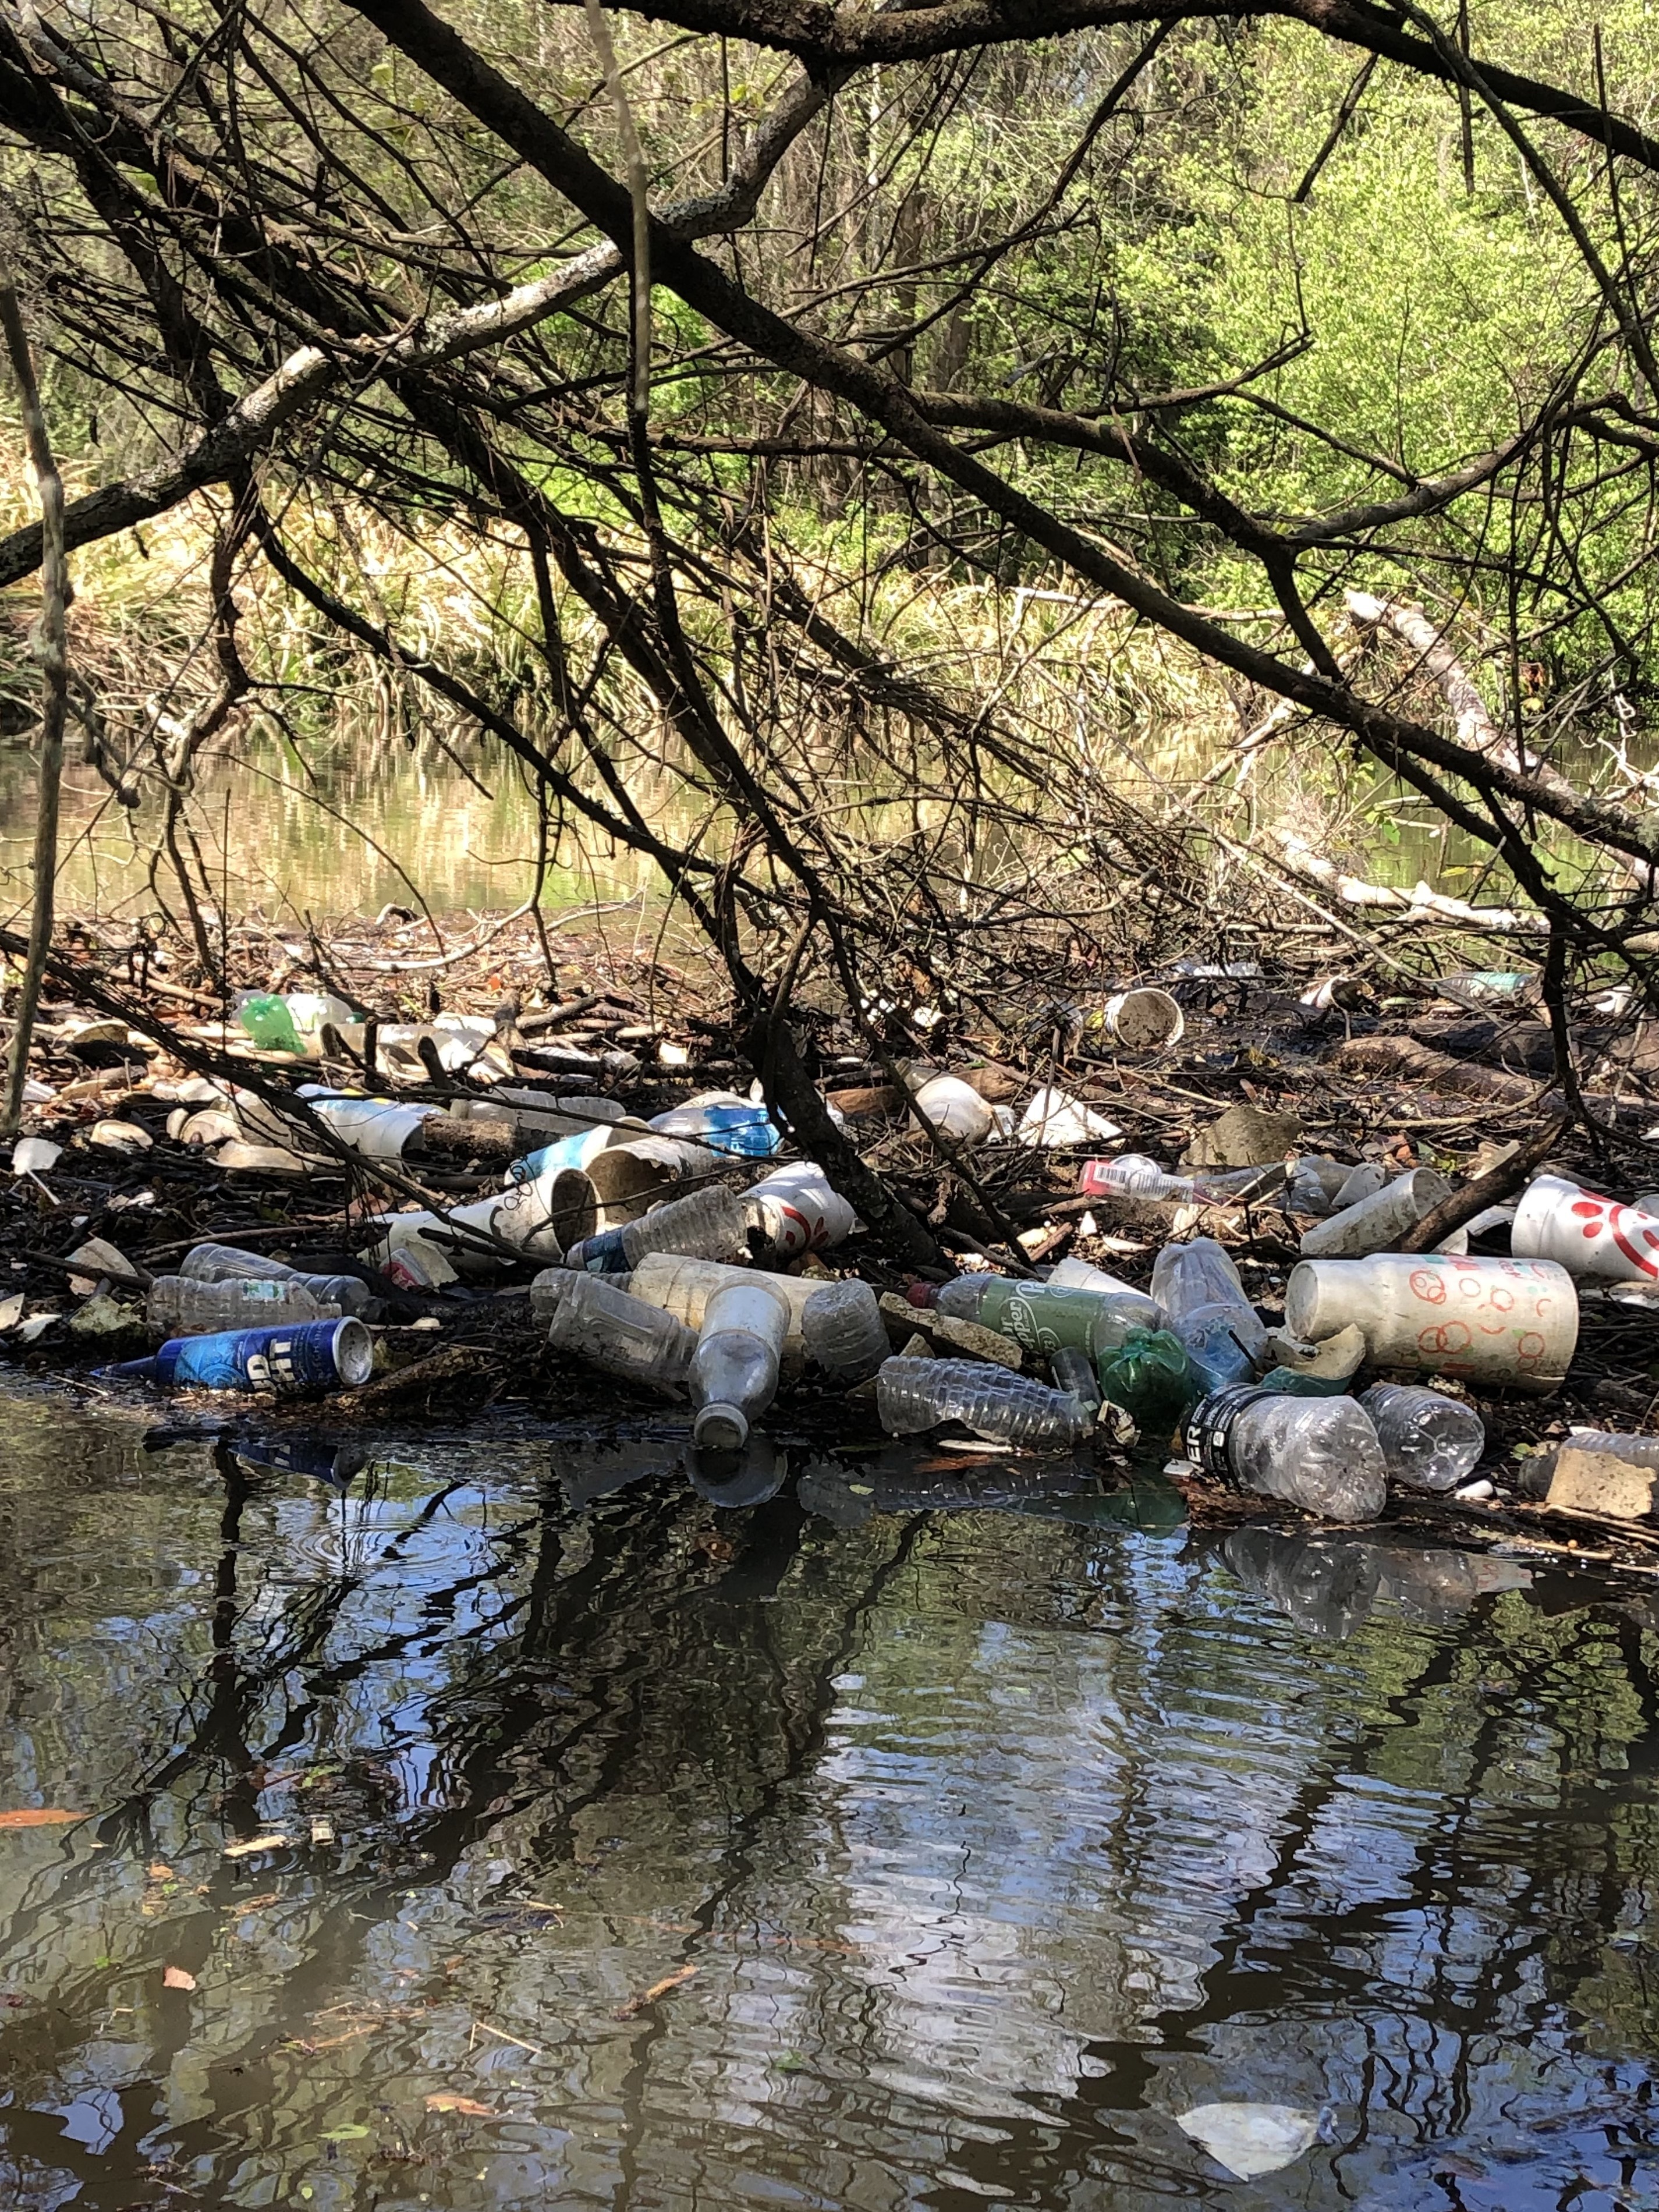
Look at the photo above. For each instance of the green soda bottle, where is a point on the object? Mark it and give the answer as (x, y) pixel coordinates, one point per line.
(1150, 1376)
(267, 1020)
(1042, 1316)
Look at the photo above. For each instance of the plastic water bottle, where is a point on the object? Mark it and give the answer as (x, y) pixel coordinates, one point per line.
(1429, 1442)
(1318, 1453)
(1042, 1316)
(726, 1123)
(223, 1263)
(1197, 1286)
(595, 1321)
(684, 1288)
(704, 1224)
(914, 1394)
(734, 1369)
(843, 1332)
(183, 1305)
(1133, 1175)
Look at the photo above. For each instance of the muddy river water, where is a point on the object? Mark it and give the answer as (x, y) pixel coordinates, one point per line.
(507, 1823)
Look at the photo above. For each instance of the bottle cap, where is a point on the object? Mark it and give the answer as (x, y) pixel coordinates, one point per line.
(720, 1428)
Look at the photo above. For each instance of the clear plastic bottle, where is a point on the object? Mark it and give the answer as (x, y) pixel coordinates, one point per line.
(223, 1263)
(1074, 1371)
(1133, 1175)
(1197, 1286)
(726, 1123)
(183, 1305)
(704, 1224)
(734, 1369)
(843, 1332)
(684, 1288)
(1044, 1317)
(595, 1321)
(914, 1394)
(1315, 1179)
(1318, 1453)
(1429, 1442)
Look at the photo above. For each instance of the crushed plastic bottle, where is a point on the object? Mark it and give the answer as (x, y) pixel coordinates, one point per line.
(1318, 1453)
(224, 1263)
(1151, 1377)
(1430, 1442)
(734, 1369)
(183, 1305)
(1199, 1287)
(595, 1321)
(914, 1394)
(704, 1224)
(843, 1332)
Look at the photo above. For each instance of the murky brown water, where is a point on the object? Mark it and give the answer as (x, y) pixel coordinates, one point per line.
(981, 1843)
(347, 826)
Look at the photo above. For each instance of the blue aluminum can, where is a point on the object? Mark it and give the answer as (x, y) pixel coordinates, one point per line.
(300, 1361)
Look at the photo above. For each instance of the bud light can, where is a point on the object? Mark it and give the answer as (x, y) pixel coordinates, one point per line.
(302, 1360)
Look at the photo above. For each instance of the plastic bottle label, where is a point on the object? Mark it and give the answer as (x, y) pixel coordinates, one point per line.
(600, 1255)
(1205, 1432)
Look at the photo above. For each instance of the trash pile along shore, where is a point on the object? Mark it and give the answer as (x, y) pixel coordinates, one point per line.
(1375, 1262)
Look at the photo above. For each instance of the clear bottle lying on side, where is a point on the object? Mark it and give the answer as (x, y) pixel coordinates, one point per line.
(704, 1224)
(1430, 1442)
(223, 1263)
(180, 1306)
(1318, 1453)
(914, 1394)
(590, 1317)
(842, 1332)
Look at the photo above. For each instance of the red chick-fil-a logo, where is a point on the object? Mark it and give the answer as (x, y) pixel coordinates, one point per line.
(1623, 1224)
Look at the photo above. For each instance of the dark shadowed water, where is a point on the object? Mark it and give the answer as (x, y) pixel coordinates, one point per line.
(975, 1845)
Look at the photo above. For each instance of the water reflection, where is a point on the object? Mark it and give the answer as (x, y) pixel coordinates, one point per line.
(994, 1840)
(1329, 1584)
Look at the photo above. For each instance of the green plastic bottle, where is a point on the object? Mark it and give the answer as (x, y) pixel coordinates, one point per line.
(1042, 1316)
(1150, 1376)
(268, 1022)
